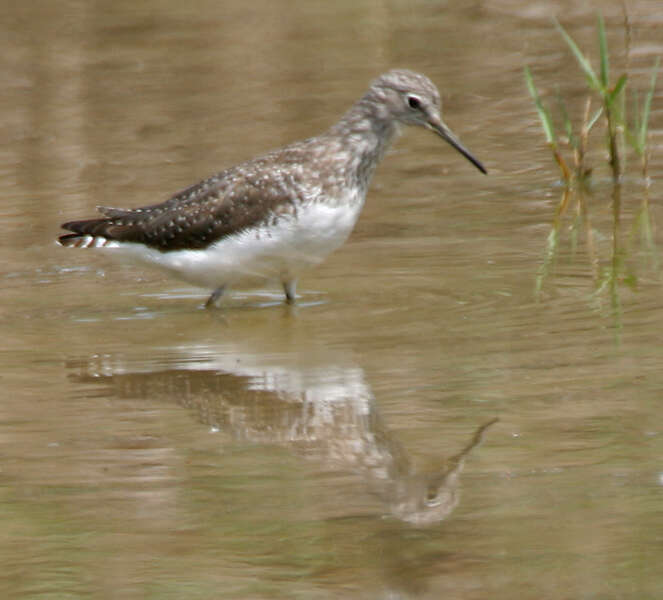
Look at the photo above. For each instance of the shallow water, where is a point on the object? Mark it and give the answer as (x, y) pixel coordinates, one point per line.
(152, 449)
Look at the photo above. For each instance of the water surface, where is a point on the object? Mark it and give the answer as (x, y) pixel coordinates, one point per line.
(152, 449)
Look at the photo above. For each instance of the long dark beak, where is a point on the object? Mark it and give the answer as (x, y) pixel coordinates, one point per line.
(435, 124)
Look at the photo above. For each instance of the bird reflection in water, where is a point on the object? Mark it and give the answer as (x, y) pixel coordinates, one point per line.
(327, 414)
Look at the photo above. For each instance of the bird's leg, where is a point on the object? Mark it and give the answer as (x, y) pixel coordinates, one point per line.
(290, 289)
(214, 300)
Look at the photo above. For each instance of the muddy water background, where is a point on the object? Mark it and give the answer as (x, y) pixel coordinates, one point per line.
(151, 449)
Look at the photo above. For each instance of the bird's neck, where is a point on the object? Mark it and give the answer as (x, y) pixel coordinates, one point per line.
(366, 137)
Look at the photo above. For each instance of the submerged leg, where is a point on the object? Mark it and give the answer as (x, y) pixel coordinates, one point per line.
(290, 289)
(214, 300)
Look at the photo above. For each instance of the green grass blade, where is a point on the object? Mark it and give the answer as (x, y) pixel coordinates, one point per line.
(614, 93)
(632, 132)
(544, 115)
(644, 122)
(568, 126)
(603, 53)
(584, 63)
(637, 119)
(595, 118)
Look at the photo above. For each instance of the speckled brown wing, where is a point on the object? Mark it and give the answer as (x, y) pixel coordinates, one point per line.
(197, 216)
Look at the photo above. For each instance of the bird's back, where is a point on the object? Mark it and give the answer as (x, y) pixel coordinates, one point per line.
(244, 196)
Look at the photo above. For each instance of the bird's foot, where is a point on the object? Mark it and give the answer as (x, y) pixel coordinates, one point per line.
(214, 301)
(290, 289)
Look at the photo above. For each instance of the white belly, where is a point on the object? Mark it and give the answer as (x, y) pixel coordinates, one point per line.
(280, 251)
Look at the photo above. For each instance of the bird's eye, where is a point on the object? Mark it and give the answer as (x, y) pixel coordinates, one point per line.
(414, 102)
